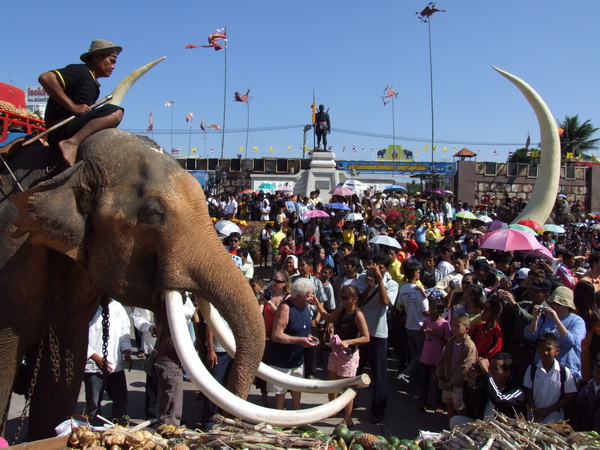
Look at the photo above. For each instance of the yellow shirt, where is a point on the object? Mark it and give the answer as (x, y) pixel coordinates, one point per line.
(394, 271)
(348, 236)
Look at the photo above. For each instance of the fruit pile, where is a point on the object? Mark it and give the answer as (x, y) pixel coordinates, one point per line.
(344, 439)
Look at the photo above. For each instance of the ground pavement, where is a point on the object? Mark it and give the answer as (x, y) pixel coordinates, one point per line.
(402, 418)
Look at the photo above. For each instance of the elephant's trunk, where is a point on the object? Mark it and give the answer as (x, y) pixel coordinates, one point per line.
(224, 285)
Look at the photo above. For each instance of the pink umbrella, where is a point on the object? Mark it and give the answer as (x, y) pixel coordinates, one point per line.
(541, 251)
(341, 190)
(315, 213)
(509, 239)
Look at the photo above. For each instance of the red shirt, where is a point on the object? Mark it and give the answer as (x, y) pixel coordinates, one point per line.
(488, 342)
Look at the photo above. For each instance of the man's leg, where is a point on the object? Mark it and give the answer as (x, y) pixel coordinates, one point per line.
(116, 387)
(379, 371)
(69, 147)
(93, 393)
(170, 392)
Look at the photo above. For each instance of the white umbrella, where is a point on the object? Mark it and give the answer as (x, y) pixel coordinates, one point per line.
(485, 219)
(383, 239)
(226, 227)
(354, 185)
(354, 217)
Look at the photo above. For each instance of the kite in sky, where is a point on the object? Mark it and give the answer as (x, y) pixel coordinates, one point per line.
(428, 12)
(242, 98)
(388, 94)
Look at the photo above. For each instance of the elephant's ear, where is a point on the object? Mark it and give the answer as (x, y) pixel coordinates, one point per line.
(54, 213)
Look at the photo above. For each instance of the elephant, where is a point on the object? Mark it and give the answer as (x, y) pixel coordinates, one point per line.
(126, 221)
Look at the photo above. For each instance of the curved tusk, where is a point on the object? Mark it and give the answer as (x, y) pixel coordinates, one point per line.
(225, 399)
(225, 338)
(123, 87)
(544, 193)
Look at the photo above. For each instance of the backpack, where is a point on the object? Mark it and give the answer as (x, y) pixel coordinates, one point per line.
(563, 377)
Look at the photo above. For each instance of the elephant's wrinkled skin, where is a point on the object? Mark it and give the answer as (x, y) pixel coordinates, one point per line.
(126, 221)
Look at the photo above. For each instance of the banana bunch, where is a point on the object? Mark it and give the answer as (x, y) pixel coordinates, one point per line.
(83, 437)
(170, 431)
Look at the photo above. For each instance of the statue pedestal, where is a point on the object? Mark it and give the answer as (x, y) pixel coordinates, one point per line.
(322, 174)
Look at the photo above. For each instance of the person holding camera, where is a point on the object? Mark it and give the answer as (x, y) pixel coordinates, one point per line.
(559, 318)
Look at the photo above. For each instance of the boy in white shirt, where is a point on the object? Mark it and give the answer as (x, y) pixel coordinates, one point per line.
(550, 386)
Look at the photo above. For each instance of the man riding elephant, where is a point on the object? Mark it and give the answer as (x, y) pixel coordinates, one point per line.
(72, 91)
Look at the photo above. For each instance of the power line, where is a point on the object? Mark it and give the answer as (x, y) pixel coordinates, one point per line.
(336, 130)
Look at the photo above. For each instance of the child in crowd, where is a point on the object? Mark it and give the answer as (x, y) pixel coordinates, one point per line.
(247, 267)
(487, 334)
(457, 358)
(588, 403)
(437, 332)
(550, 385)
(280, 218)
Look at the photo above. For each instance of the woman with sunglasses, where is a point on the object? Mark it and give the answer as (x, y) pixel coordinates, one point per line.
(278, 290)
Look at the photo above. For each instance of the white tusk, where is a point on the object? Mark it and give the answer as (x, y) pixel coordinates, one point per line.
(225, 399)
(217, 325)
(544, 193)
(123, 87)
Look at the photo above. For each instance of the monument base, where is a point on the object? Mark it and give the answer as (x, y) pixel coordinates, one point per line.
(322, 174)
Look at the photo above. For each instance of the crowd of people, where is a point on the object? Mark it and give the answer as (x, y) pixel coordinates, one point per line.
(473, 330)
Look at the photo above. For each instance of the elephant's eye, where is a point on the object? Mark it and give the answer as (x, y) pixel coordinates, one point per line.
(151, 214)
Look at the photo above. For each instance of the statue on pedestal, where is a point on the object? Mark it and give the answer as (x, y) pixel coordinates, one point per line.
(322, 127)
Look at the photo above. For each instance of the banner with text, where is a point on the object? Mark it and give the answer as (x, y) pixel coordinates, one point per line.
(441, 168)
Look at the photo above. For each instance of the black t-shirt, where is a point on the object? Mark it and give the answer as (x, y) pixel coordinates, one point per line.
(81, 87)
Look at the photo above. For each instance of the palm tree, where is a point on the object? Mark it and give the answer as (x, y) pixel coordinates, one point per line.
(577, 139)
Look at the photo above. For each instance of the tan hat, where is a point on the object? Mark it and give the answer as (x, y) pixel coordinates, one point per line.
(102, 46)
(562, 295)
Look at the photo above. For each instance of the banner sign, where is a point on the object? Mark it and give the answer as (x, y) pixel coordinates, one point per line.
(36, 94)
(200, 175)
(441, 168)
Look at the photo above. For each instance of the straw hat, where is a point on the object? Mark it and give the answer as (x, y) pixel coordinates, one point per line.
(101, 46)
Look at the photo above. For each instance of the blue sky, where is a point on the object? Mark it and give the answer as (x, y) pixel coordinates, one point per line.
(347, 52)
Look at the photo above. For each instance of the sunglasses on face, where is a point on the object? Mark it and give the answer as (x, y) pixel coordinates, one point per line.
(278, 281)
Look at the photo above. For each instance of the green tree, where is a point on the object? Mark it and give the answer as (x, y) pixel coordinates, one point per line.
(577, 138)
(412, 188)
(522, 155)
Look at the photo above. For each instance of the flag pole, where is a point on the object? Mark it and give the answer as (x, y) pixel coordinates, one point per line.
(247, 128)
(190, 141)
(224, 95)
(314, 105)
(172, 126)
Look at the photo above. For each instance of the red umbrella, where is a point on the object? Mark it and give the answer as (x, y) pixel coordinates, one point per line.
(509, 240)
(531, 224)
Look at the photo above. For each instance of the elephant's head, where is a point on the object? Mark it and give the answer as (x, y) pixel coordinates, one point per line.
(139, 225)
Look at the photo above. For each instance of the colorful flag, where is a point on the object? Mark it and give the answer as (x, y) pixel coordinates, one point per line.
(314, 111)
(434, 148)
(527, 142)
(354, 149)
(212, 150)
(189, 116)
(495, 152)
(213, 39)
(343, 148)
(289, 148)
(169, 104)
(175, 151)
(193, 149)
(202, 126)
(329, 147)
(244, 98)
(191, 46)
(445, 149)
(241, 149)
(570, 155)
(426, 15)
(150, 122)
(425, 148)
(535, 153)
(271, 149)
(256, 149)
(510, 154)
(388, 95)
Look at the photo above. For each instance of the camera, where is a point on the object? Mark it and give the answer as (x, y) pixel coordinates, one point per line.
(543, 309)
(268, 295)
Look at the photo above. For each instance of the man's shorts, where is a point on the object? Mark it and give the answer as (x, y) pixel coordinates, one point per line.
(343, 367)
(295, 372)
(454, 397)
(70, 129)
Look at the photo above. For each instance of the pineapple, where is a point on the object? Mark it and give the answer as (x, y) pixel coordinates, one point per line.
(367, 440)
